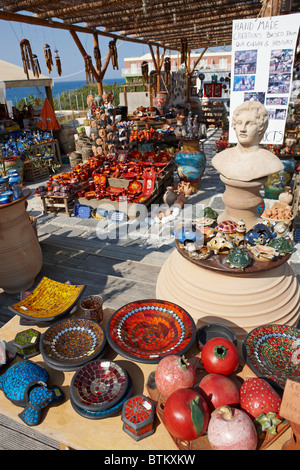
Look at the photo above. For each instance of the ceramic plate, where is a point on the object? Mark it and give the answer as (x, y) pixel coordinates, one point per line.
(147, 330)
(99, 385)
(90, 414)
(72, 342)
(48, 301)
(272, 352)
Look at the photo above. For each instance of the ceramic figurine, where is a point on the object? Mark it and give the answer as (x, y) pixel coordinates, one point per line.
(24, 384)
(239, 237)
(227, 228)
(263, 252)
(219, 244)
(282, 245)
(260, 234)
(281, 228)
(238, 258)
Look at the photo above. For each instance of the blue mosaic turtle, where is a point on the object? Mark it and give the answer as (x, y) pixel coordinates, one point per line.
(25, 385)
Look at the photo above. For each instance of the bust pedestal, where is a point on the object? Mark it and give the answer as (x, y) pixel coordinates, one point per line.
(241, 199)
(240, 301)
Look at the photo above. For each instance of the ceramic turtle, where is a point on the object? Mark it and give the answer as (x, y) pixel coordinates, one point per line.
(282, 245)
(260, 234)
(187, 233)
(227, 228)
(281, 228)
(25, 385)
(219, 244)
(210, 213)
(238, 258)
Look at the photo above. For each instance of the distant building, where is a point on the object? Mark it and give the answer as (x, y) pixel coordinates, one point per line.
(211, 62)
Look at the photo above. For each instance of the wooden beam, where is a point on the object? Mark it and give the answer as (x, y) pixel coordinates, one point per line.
(84, 53)
(6, 16)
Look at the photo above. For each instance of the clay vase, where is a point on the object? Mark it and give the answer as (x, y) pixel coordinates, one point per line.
(170, 196)
(286, 197)
(277, 182)
(160, 101)
(294, 442)
(20, 251)
(191, 162)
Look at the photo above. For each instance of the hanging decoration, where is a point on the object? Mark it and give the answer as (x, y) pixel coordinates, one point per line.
(48, 57)
(113, 54)
(97, 57)
(167, 66)
(36, 66)
(58, 63)
(145, 71)
(27, 57)
(184, 50)
(88, 69)
(153, 81)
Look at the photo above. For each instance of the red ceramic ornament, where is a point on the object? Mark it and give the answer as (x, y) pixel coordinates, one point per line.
(220, 356)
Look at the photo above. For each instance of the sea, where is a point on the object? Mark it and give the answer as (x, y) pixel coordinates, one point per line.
(16, 94)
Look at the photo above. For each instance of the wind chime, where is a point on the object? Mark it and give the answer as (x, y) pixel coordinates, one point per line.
(145, 70)
(184, 47)
(58, 63)
(36, 66)
(27, 57)
(88, 69)
(97, 57)
(167, 67)
(153, 81)
(113, 55)
(48, 57)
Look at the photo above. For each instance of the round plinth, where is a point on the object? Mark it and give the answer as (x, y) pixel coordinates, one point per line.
(239, 301)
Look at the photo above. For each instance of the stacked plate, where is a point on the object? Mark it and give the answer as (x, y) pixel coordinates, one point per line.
(99, 389)
(71, 343)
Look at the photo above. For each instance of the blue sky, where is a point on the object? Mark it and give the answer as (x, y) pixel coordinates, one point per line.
(11, 33)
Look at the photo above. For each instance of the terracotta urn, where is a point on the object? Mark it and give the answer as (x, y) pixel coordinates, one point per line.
(20, 251)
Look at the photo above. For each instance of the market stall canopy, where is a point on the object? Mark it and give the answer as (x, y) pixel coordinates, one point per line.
(14, 76)
(166, 23)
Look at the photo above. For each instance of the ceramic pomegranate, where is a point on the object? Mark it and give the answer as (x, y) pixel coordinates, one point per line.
(174, 372)
(231, 429)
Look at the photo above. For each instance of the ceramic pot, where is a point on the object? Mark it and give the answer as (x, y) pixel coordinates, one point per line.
(20, 252)
(277, 182)
(160, 101)
(286, 197)
(294, 442)
(191, 162)
(170, 196)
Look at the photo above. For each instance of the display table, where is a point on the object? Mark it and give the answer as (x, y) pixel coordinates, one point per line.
(65, 202)
(54, 146)
(71, 430)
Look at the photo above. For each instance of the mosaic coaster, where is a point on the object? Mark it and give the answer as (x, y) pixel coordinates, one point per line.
(105, 413)
(98, 385)
(72, 342)
(48, 301)
(273, 352)
(147, 330)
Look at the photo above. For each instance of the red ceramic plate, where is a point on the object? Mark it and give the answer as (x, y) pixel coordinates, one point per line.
(134, 187)
(147, 330)
(135, 155)
(149, 156)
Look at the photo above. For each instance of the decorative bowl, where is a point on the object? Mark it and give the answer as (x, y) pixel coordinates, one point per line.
(99, 385)
(214, 330)
(272, 352)
(147, 330)
(102, 414)
(48, 301)
(72, 342)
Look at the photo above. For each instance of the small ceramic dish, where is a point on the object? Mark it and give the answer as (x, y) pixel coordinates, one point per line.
(214, 330)
(99, 385)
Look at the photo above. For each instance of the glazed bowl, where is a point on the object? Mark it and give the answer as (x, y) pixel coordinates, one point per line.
(214, 330)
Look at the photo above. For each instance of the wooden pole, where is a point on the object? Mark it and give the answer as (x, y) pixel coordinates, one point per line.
(99, 83)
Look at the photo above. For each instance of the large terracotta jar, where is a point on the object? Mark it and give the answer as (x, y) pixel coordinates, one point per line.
(191, 162)
(20, 252)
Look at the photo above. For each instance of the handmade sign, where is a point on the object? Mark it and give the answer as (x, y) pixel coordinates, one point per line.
(290, 404)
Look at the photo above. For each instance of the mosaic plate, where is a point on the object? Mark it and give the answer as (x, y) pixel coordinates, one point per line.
(48, 301)
(72, 342)
(105, 413)
(147, 330)
(99, 385)
(273, 352)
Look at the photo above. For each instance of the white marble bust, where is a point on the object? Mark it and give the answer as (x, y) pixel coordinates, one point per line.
(247, 161)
